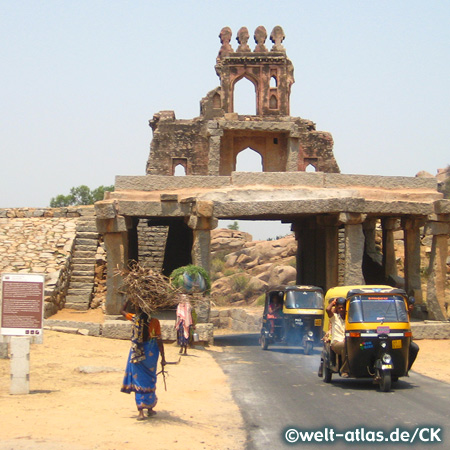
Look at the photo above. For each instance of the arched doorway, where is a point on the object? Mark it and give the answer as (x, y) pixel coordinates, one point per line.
(249, 160)
(244, 98)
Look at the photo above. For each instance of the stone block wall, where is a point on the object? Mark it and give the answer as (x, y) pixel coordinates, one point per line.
(40, 240)
(151, 245)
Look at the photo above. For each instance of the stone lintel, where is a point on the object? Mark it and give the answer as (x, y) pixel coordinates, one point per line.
(118, 225)
(153, 208)
(384, 182)
(393, 207)
(266, 125)
(310, 179)
(279, 209)
(149, 183)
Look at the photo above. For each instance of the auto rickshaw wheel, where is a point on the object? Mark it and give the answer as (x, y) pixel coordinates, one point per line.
(327, 373)
(264, 343)
(385, 380)
(308, 347)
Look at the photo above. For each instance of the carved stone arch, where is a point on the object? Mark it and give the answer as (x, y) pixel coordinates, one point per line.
(273, 102)
(254, 150)
(216, 101)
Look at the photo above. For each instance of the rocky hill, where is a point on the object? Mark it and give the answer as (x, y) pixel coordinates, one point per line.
(241, 269)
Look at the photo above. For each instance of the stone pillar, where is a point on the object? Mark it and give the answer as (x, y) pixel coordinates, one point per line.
(437, 304)
(332, 257)
(215, 135)
(306, 258)
(331, 263)
(411, 232)
(115, 234)
(293, 147)
(389, 225)
(370, 248)
(354, 247)
(202, 223)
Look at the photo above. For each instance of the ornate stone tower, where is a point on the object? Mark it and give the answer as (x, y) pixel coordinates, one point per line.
(271, 72)
(210, 144)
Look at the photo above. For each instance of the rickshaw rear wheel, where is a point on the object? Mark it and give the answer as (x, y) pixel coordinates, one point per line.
(264, 343)
(327, 373)
(385, 381)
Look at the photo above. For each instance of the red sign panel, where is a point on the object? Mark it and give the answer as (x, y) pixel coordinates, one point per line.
(22, 304)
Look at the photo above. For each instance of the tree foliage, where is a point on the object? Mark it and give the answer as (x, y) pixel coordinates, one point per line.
(80, 195)
(233, 226)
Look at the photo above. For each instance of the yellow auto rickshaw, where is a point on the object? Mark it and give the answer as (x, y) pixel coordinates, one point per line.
(293, 315)
(377, 334)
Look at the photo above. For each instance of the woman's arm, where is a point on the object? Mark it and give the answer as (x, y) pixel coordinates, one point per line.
(161, 350)
(124, 309)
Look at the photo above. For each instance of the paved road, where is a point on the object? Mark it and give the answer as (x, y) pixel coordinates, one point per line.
(279, 389)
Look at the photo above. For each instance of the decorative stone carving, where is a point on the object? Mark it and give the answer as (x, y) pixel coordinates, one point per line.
(277, 37)
(243, 38)
(225, 38)
(260, 38)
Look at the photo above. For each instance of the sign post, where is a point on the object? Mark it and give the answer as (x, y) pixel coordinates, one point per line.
(22, 319)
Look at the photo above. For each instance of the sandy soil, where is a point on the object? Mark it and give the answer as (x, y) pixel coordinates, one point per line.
(75, 402)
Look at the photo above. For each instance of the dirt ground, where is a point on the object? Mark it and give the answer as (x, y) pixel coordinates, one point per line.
(75, 401)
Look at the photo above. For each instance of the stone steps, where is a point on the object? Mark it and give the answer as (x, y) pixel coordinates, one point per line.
(81, 285)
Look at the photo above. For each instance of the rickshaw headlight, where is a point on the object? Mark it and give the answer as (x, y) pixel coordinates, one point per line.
(383, 345)
(386, 359)
(310, 334)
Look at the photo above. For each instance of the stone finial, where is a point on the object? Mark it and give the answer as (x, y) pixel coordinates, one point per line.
(277, 37)
(225, 38)
(260, 37)
(242, 38)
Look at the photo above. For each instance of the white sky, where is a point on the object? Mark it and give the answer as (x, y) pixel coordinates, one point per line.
(80, 80)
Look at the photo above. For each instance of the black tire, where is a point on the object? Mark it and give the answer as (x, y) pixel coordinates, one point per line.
(385, 380)
(327, 373)
(308, 347)
(264, 343)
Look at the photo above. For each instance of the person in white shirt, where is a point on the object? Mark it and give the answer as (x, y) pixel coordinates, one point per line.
(336, 313)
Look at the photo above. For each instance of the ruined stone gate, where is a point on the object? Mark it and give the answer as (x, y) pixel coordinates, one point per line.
(318, 205)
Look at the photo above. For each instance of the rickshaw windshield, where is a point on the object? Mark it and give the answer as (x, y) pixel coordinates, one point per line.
(303, 299)
(371, 308)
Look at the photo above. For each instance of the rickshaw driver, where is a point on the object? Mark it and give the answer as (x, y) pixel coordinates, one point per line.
(275, 311)
(336, 312)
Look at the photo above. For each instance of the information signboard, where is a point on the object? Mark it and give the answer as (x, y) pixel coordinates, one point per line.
(22, 304)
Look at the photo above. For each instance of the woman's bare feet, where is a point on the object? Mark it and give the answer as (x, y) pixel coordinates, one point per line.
(150, 412)
(141, 415)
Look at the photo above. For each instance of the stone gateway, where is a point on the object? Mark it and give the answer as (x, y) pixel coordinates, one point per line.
(334, 216)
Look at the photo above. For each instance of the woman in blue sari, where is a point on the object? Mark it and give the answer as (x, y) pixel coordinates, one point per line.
(141, 369)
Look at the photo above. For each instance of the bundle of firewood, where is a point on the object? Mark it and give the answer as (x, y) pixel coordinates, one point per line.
(147, 289)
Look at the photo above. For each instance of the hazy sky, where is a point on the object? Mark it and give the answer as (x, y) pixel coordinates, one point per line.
(80, 80)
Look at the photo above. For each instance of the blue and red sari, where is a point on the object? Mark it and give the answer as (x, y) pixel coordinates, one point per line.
(140, 372)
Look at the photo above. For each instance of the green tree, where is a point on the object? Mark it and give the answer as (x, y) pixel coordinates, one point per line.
(80, 195)
(233, 226)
